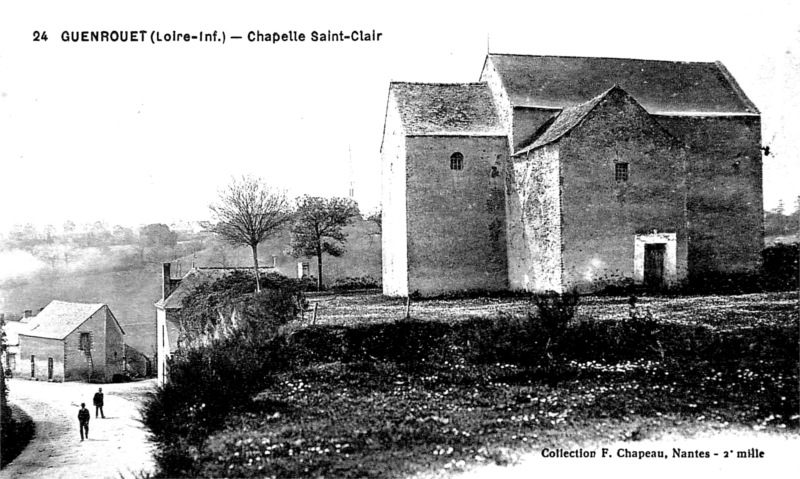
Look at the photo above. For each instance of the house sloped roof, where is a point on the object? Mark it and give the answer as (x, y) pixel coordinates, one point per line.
(446, 108)
(661, 87)
(60, 318)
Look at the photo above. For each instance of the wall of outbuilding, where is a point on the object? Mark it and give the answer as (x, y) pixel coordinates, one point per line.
(115, 346)
(41, 349)
(83, 364)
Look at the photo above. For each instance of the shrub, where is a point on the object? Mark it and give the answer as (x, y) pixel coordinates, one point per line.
(503, 339)
(555, 310)
(360, 282)
(780, 266)
(16, 431)
(231, 346)
(213, 309)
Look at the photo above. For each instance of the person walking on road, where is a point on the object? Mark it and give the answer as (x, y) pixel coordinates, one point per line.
(98, 403)
(83, 420)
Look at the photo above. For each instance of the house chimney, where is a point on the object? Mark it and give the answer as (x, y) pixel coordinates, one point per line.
(274, 261)
(166, 281)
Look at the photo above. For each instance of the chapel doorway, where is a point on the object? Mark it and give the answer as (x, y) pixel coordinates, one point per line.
(654, 255)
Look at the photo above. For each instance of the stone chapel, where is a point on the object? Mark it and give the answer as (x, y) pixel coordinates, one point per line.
(553, 173)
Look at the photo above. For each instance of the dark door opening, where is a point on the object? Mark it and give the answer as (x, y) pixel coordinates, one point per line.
(654, 254)
(50, 369)
(33, 366)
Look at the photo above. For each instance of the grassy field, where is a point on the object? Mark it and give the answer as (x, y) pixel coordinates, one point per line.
(468, 382)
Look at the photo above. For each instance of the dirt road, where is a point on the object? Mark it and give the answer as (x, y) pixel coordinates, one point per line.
(117, 445)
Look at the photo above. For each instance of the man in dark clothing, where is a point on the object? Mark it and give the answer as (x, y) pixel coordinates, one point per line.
(98, 403)
(83, 420)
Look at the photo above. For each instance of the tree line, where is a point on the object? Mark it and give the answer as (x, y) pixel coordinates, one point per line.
(777, 222)
(248, 211)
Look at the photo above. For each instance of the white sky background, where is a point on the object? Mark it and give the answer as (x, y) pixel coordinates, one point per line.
(140, 133)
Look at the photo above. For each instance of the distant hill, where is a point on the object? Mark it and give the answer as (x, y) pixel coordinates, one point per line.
(131, 289)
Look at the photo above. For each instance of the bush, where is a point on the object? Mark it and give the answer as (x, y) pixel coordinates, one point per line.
(350, 284)
(503, 339)
(780, 266)
(225, 359)
(555, 310)
(779, 272)
(16, 431)
(213, 309)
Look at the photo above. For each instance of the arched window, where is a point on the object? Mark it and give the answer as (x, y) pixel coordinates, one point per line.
(456, 161)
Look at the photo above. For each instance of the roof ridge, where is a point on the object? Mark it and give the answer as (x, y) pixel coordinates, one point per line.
(600, 58)
(74, 302)
(437, 83)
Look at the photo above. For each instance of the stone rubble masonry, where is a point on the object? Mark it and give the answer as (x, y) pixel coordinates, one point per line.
(456, 218)
(724, 197)
(534, 221)
(601, 216)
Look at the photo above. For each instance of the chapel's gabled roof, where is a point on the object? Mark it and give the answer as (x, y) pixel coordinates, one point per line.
(570, 117)
(661, 87)
(564, 122)
(446, 109)
(60, 318)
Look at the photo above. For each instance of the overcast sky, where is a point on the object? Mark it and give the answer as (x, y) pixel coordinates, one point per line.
(141, 133)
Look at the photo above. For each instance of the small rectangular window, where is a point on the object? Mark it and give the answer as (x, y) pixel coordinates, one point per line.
(83, 343)
(456, 161)
(621, 171)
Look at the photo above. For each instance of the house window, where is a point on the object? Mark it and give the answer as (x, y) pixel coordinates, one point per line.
(621, 171)
(83, 343)
(456, 161)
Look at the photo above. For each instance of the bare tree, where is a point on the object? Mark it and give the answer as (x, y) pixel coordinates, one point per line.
(248, 212)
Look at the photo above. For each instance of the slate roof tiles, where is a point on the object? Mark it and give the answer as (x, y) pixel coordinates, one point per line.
(661, 87)
(446, 109)
(60, 318)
